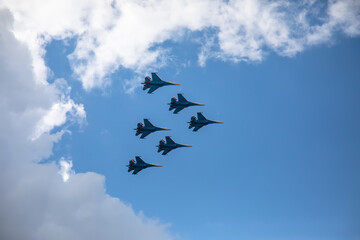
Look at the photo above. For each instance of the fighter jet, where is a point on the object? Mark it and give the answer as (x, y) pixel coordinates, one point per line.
(155, 83)
(147, 129)
(139, 165)
(182, 103)
(200, 122)
(169, 145)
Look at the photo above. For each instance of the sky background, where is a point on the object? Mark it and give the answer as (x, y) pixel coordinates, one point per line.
(284, 165)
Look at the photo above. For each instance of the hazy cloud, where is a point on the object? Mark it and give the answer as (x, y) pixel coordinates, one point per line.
(65, 169)
(50, 201)
(126, 33)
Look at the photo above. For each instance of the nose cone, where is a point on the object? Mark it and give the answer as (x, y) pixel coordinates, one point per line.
(198, 104)
(185, 145)
(177, 84)
(217, 121)
(167, 129)
(156, 165)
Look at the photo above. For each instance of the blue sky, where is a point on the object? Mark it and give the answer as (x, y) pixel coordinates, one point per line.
(284, 164)
(284, 79)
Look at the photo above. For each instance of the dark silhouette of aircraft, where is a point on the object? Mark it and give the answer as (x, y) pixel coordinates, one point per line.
(155, 83)
(200, 122)
(139, 165)
(147, 129)
(169, 145)
(181, 103)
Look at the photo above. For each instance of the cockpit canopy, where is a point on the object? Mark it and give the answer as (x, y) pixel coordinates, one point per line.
(173, 100)
(193, 119)
(131, 162)
(162, 142)
(140, 125)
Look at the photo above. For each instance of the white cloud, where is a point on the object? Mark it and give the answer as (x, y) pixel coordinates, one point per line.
(346, 14)
(59, 112)
(65, 169)
(112, 34)
(35, 202)
(127, 33)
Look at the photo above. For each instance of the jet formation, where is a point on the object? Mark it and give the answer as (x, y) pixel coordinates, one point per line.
(145, 129)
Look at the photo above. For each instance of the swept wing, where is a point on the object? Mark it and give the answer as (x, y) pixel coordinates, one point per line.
(200, 116)
(156, 78)
(197, 127)
(137, 170)
(139, 160)
(178, 109)
(153, 88)
(181, 98)
(144, 134)
(166, 151)
(147, 123)
(169, 140)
